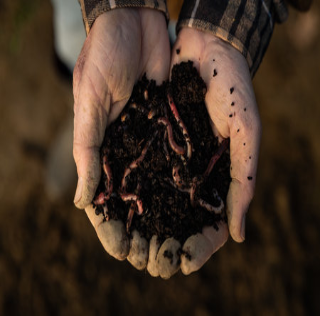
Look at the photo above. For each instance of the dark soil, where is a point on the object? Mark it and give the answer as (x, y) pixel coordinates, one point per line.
(167, 210)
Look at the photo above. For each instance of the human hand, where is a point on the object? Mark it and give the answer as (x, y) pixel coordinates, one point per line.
(232, 108)
(122, 45)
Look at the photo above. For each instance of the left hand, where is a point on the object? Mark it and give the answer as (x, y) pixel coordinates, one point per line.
(121, 47)
(233, 110)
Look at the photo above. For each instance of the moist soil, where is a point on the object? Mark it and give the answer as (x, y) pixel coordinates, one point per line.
(162, 180)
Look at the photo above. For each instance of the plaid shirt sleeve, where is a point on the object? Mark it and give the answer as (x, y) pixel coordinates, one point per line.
(91, 9)
(245, 24)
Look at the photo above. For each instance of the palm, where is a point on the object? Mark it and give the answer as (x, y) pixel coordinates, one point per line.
(120, 48)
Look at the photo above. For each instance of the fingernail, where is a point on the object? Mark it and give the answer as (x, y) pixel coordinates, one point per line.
(243, 227)
(78, 194)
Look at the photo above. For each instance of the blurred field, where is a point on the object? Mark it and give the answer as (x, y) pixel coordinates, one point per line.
(51, 262)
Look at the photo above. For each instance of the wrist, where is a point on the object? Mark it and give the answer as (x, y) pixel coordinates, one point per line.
(92, 9)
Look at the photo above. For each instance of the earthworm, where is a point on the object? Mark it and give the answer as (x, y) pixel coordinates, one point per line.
(211, 208)
(137, 204)
(192, 190)
(181, 189)
(135, 164)
(134, 198)
(223, 146)
(100, 199)
(185, 133)
(108, 172)
(130, 216)
(175, 147)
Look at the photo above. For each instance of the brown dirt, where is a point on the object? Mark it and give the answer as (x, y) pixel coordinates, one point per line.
(51, 262)
(161, 179)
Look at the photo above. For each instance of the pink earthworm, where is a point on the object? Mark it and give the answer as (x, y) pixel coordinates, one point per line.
(175, 147)
(201, 202)
(185, 133)
(211, 208)
(192, 190)
(130, 216)
(223, 146)
(100, 199)
(108, 172)
(135, 164)
(134, 198)
(135, 205)
(181, 189)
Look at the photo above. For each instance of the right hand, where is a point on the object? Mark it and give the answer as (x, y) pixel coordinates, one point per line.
(122, 45)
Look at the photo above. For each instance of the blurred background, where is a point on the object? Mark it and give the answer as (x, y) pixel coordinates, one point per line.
(52, 263)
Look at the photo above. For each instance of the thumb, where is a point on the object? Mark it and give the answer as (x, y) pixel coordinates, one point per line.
(90, 120)
(88, 168)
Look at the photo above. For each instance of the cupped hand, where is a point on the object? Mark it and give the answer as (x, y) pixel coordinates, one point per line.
(234, 114)
(122, 45)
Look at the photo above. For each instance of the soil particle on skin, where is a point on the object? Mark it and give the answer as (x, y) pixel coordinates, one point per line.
(167, 209)
(169, 255)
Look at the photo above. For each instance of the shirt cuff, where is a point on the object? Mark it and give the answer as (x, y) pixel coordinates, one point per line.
(91, 9)
(246, 24)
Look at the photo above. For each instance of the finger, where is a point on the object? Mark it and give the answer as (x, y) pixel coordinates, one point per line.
(244, 151)
(139, 251)
(217, 237)
(168, 259)
(111, 234)
(90, 120)
(195, 252)
(152, 265)
(200, 247)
